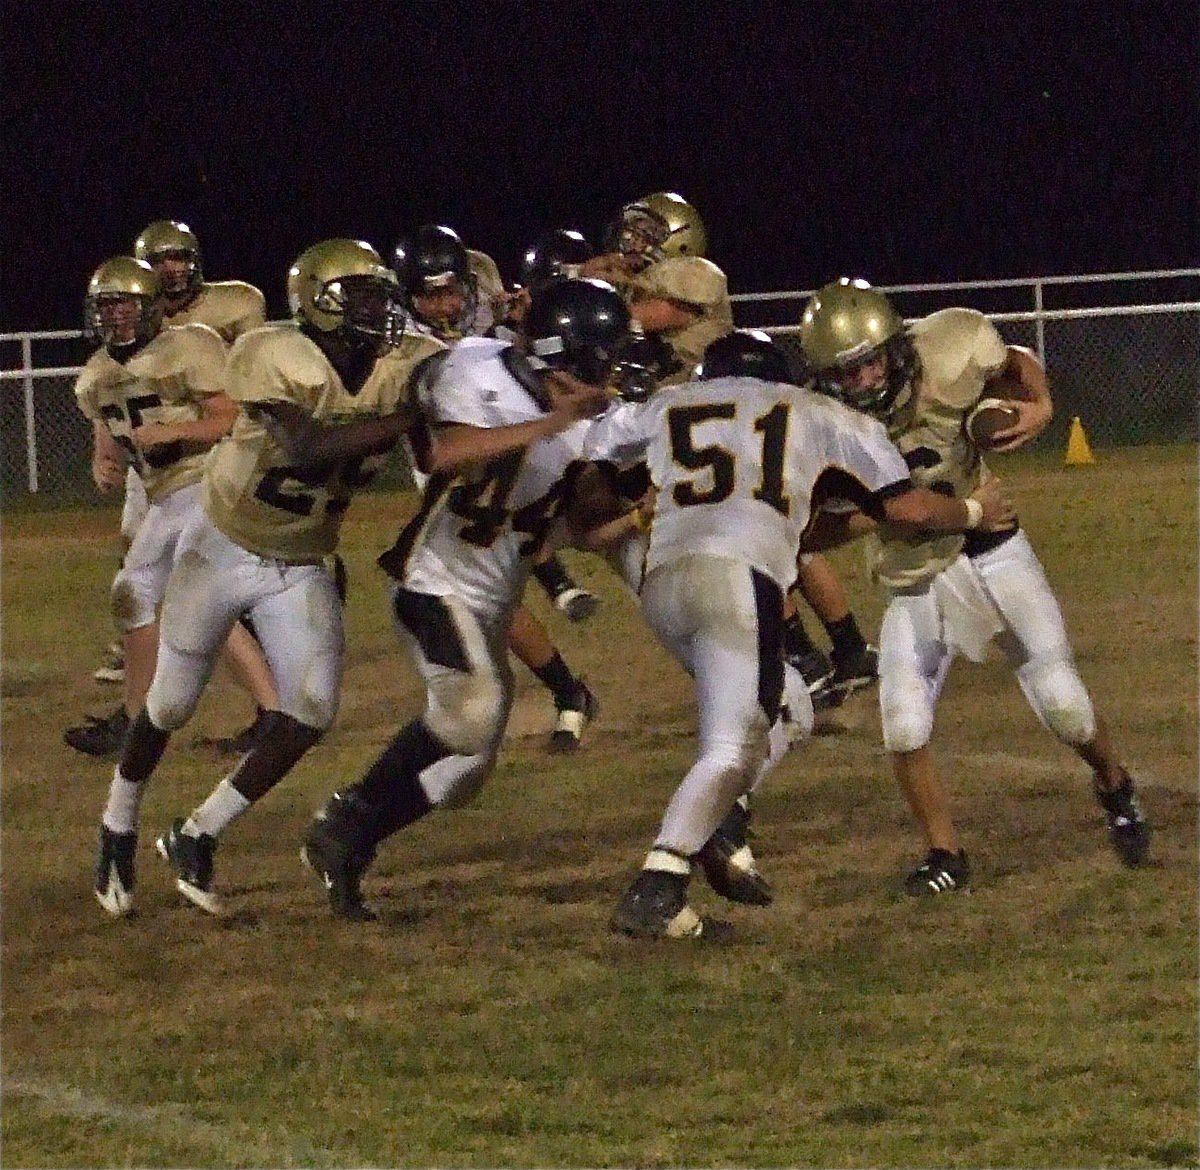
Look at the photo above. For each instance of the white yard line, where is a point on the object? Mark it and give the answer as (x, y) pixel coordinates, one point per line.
(173, 1123)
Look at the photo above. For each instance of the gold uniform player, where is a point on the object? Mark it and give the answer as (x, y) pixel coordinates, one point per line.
(954, 594)
(231, 307)
(272, 511)
(156, 402)
(679, 299)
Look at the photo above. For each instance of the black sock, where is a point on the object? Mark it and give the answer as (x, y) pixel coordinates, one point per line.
(552, 576)
(556, 676)
(391, 786)
(796, 641)
(144, 746)
(846, 637)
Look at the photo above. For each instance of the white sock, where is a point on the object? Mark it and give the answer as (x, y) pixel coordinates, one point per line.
(665, 861)
(121, 811)
(223, 806)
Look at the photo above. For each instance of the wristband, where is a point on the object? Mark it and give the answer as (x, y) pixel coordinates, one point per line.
(974, 512)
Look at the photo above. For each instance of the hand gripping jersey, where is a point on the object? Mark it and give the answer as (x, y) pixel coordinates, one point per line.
(476, 533)
(959, 349)
(737, 462)
(164, 382)
(700, 285)
(231, 307)
(251, 494)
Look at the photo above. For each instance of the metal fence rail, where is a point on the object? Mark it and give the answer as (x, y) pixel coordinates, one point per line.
(1127, 363)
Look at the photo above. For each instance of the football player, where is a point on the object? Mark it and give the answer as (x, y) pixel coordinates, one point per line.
(271, 511)
(737, 458)
(461, 565)
(448, 289)
(232, 308)
(952, 594)
(445, 285)
(678, 298)
(156, 402)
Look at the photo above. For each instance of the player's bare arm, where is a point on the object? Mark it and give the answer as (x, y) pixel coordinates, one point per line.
(986, 509)
(108, 460)
(305, 441)
(1022, 383)
(217, 412)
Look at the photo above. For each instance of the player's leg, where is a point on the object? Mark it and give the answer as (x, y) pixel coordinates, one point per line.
(855, 662)
(296, 611)
(913, 661)
(245, 661)
(200, 602)
(723, 622)
(437, 760)
(574, 703)
(1037, 646)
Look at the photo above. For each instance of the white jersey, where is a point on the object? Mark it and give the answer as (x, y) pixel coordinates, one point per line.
(737, 462)
(476, 533)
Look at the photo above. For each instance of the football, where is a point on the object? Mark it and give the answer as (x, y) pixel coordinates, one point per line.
(987, 418)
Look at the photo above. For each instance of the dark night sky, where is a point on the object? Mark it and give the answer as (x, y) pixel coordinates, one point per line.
(918, 140)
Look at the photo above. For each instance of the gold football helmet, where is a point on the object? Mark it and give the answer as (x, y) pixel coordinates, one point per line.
(342, 286)
(168, 239)
(659, 226)
(123, 303)
(847, 326)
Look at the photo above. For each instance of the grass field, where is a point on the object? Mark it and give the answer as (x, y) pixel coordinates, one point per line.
(490, 1019)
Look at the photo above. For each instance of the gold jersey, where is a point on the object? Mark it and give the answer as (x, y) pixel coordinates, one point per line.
(293, 514)
(701, 286)
(958, 350)
(231, 307)
(166, 381)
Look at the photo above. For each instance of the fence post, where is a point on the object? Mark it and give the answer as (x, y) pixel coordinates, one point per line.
(1040, 323)
(30, 420)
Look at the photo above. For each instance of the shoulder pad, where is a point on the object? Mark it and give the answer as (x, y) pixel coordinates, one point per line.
(282, 348)
(952, 344)
(690, 279)
(238, 293)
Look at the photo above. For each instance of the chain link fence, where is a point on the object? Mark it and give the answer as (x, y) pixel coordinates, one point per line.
(1128, 368)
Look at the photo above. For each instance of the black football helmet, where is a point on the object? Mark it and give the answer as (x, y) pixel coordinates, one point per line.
(554, 253)
(430, 258)
(580, 326)
(745, 353)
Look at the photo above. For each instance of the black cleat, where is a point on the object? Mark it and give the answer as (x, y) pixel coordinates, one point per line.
(655, 906)
(1128, 829)
(942, 872)
(340, 867)
(728, 863)
(99, 735)
(577, 603)
(854, 672)
(192, 860)
(580, 709)
(115, 872)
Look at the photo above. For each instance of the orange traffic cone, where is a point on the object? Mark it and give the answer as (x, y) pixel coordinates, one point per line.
(1079, 451)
